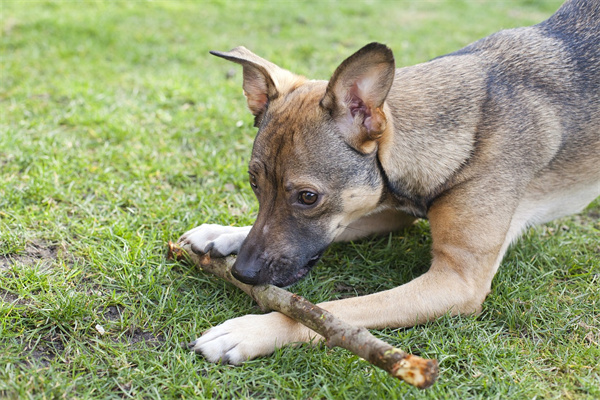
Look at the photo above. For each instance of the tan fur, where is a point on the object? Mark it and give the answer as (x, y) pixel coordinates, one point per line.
(483, 142)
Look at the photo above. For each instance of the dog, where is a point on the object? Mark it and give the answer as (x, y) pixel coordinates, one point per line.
(483, 142)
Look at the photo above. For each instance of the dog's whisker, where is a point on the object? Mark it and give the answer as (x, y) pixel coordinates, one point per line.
(354, 228)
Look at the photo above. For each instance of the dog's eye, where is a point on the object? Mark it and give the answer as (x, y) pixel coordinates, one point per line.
(253, 181)
(307, 198)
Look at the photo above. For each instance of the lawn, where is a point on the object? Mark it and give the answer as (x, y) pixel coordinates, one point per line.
(119, 132)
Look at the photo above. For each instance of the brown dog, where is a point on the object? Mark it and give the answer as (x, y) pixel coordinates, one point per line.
(483, 142)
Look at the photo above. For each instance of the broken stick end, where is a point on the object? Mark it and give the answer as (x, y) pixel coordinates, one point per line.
(178, 252)
(416, 371)
(175, 252)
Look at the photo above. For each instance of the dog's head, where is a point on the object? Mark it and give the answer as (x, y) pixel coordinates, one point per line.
(314, 166)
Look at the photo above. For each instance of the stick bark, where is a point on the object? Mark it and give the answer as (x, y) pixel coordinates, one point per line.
(412, 369)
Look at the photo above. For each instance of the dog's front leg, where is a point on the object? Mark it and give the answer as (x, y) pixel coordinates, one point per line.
(250, 336)
(433, 294)
(469, 240)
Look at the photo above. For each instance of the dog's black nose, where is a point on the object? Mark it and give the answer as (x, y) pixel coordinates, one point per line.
(246, 270)
(247, 276)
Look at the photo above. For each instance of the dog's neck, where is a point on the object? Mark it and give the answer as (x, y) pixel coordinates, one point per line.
(432, 132)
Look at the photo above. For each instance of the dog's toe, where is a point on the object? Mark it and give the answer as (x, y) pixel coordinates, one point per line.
(216, 343)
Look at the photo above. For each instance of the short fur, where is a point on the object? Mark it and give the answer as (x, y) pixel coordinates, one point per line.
(483, 142)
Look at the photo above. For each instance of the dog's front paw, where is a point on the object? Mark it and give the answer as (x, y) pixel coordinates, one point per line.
(247, 337)
(218, 240)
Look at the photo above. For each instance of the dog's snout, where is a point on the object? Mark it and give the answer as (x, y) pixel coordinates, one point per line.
(247, 269)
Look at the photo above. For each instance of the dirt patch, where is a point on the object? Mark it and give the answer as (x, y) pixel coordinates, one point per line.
(138, 336)
(46, 350)
(594, 214)
(591, 217)
(34, 253)
(113, 313)
(8, 297)
(133, 335)
(592, 334)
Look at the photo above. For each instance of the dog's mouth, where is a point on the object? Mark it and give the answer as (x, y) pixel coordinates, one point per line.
(309, 265)
(300, 272)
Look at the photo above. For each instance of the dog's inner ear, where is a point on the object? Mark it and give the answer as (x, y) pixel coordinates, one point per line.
(263, 80)
(356, 94)
(257, 86)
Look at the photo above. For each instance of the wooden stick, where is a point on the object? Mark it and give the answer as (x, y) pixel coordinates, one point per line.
(412, 369)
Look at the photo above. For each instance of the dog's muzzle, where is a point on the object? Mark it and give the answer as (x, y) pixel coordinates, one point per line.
(254, 272)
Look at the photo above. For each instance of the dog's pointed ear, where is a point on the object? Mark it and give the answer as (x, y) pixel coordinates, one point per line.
(356, 94)
(263, 80)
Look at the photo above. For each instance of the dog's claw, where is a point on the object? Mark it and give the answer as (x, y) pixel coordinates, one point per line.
(209, 247)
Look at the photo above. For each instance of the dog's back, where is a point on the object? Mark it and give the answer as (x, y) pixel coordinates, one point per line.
(575, 27)
(542, 108)
(571, 179)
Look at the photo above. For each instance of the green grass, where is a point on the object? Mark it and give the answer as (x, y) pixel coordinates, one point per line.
(119, 132)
